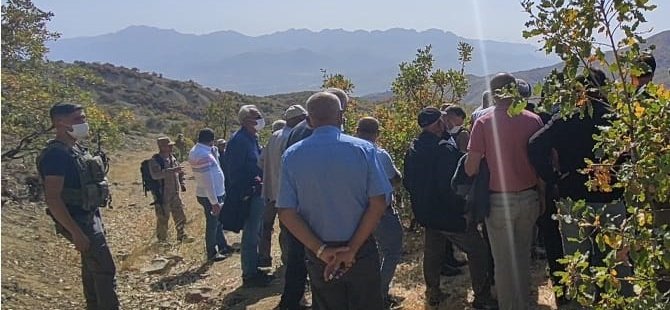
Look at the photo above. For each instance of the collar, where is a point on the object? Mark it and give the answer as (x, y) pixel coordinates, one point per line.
(203, 146)
(499, 107)
(426, 135)
(248, 134)
(326, 130)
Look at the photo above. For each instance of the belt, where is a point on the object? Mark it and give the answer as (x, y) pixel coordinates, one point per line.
(534, 187)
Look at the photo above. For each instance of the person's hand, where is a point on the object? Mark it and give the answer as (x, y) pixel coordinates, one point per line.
(343, 261)
(329, 254)
(215, 209)
(81, 242)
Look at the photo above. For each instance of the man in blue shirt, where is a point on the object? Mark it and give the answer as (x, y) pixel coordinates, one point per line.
(331, 197)
(295, 277)
(243, 181)
(389, 232)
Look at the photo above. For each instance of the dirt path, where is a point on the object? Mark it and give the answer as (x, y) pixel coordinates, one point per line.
(41, 270)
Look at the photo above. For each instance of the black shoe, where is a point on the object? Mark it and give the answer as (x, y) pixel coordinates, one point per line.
(259, 280)
(449, 271)
(562, 301)
(265, 263)
(295, 307)
(489, 304)
(433, 299)
(393, 302)
(217, 257)
(228, 250)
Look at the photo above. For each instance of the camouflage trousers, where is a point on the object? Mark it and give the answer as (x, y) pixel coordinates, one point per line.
(171, 205)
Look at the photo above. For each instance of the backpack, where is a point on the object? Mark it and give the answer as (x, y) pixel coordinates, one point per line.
(148, 183)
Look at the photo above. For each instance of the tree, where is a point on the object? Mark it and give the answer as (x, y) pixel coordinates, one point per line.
(340, 81)
(580, 32)
(418, 85)
(31, 84)
(221, 116)
(24, 33)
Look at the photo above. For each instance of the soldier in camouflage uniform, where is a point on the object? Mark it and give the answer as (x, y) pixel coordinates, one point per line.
(166, 169)
(182, 147)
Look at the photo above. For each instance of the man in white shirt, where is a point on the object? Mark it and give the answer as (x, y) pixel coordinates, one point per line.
(270, 162)
(210, 191)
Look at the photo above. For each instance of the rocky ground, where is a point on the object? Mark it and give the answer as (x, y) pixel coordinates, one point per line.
(40, 270)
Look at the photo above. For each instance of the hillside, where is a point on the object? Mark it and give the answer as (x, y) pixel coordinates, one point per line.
(287, 61)
(158, 102)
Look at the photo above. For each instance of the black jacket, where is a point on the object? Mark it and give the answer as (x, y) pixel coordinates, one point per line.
(429, 166)
(572, 138)
(475, 190)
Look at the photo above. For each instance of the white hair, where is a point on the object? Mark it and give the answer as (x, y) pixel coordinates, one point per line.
(245, 112)
(341, 95)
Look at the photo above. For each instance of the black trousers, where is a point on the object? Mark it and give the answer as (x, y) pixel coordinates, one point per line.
(295, 274)
(550, 233)
(358, 289)
(479, 256)
(98, 272)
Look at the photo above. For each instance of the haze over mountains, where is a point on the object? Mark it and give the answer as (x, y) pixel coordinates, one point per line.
(291, 60)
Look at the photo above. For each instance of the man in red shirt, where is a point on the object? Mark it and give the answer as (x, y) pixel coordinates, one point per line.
(503, 141)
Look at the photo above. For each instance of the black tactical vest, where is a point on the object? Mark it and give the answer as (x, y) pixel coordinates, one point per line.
(94, 189)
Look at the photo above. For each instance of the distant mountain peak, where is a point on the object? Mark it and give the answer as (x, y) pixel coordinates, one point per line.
(144, 29)
(288, 60)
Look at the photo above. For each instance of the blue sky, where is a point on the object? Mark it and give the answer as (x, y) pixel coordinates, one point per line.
(500, 19)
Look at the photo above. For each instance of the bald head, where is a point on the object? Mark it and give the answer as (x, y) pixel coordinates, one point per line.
(500, 82)
(341, 95)
(323, 108)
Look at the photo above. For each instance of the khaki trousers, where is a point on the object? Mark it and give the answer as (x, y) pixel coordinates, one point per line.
(171, 205)
(510, 229)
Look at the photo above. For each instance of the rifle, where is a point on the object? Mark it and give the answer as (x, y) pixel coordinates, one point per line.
(100, 152)
(105, 161)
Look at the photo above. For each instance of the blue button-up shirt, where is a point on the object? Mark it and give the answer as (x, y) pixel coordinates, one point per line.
(241, 162)
(328, 178)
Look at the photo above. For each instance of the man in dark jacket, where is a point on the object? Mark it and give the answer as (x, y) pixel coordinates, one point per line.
(243, 181)
(572, 140)
(429, 165)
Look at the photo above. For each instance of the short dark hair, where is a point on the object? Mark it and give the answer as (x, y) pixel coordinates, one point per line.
(455, 110)
(205, 135)
(592, 77)
(368, 125)
(597, 77)
(648, 64)
(63, 109)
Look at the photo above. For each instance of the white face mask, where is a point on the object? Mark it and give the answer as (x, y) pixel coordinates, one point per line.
(260, 123)
(454, 130)
(79, 131)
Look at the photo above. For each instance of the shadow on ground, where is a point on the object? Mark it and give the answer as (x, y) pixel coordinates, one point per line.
(182, 279)
(242, 297)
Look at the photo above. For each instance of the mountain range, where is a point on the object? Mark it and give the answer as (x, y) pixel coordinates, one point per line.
(289, 61)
